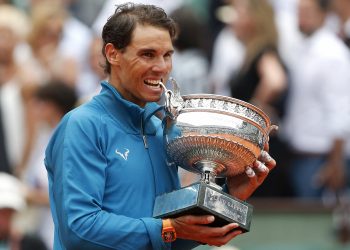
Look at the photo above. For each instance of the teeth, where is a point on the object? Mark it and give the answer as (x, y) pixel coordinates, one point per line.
(152, 82)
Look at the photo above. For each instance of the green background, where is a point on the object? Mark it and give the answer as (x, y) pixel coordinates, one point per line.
(288, 225)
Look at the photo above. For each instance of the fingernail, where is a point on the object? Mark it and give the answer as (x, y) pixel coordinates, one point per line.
(265, 156)
(262, 167)
(250, 172)
(234, 225)
(211, 219)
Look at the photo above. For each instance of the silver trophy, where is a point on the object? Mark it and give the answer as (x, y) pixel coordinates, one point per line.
(214, 136)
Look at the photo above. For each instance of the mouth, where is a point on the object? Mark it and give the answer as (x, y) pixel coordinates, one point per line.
(153, 83)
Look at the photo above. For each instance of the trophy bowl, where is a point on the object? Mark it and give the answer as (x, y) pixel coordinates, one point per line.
(218, 134)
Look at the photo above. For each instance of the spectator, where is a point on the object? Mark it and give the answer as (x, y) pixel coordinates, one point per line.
(47, 61)
(228, 53)
(14, 26)
(316, 121)
(190, 64)
(52, 101)
(262, 77)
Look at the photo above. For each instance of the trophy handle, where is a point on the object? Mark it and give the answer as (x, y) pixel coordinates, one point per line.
(273, 128)
(173, 100)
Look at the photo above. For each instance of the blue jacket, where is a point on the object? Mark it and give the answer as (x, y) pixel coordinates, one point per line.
(106, 165)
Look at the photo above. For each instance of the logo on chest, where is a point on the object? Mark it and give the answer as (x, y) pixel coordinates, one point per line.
(123, 153)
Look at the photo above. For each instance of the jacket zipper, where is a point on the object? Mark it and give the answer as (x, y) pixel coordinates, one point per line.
(144, 138)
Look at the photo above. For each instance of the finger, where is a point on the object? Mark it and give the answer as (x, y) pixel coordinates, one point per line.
(253, 178)
(229, 227)
(267, 159)
(260, 167)
(219, 232)
(231, 235)
(267, 145)
(220, 241)
(261, 171)
(250, 172)
(195, 220)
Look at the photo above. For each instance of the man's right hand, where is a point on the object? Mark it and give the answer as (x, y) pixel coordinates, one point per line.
(196, 228)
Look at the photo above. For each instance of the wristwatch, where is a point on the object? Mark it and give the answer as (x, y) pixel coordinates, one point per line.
(168, 231)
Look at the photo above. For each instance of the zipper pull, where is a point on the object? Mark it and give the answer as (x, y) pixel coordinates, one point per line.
(144, 141)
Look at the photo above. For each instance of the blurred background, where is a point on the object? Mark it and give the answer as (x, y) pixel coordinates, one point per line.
(291, 58)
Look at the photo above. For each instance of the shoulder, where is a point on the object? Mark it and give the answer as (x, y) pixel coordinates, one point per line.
(83, 119)
(81, 124)
(328, 45)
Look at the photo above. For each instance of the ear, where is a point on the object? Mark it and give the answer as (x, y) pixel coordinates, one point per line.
(112, 54)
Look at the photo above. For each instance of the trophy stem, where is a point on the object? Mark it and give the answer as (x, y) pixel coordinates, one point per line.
(207, 177)
(209, 171)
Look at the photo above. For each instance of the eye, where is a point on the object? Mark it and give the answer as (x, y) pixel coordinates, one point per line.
(168, 55)
(148, 54)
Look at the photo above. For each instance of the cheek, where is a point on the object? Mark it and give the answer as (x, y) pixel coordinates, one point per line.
(170, 65)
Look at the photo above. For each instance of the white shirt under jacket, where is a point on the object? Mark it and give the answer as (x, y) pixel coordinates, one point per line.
(319, 105)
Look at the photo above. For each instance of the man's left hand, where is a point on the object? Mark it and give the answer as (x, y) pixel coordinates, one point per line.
(243, 185)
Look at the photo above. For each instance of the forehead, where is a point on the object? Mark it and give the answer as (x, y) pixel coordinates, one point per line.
(148, 36)
(308, 3)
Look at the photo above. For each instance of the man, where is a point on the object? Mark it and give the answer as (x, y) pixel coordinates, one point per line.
(51, 102)
(317, 119)
(106, 162)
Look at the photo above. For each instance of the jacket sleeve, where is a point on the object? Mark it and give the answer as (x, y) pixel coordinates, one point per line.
(79, 168)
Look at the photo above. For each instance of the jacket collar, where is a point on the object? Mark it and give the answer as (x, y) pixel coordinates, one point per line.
(127, 113)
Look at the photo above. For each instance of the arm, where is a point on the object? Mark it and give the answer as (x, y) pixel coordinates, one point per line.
(334, 91)
(273, 79)
(333, 175)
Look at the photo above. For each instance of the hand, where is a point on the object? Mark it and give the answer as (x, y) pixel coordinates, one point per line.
(243, 185)
(196, 228)
(332, 175)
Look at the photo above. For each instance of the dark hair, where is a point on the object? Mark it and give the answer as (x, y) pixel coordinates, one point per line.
(119, 27)
(191, 31)
(59, 93)
(324, 4)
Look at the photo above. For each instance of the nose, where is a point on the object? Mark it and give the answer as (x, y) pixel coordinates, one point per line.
(161, 65)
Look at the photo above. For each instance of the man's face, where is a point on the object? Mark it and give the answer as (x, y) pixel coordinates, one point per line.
(145, 62)
(310, 16)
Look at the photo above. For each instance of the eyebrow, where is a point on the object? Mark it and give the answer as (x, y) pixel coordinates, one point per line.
(154, 51)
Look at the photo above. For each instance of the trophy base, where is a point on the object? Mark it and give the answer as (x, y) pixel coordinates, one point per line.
(203, 199)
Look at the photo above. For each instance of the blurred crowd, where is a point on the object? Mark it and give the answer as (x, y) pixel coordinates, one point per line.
(290, 58)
